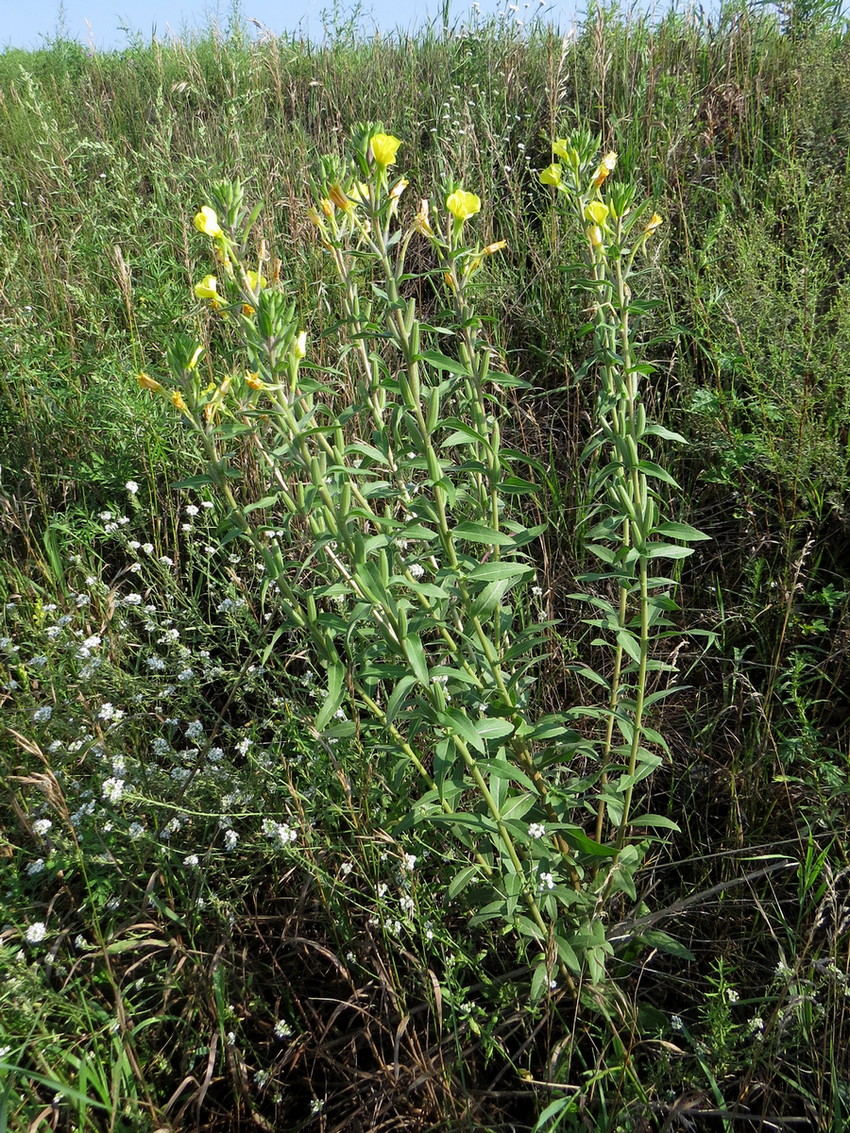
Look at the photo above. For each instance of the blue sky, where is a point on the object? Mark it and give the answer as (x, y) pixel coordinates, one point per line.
(28, 23)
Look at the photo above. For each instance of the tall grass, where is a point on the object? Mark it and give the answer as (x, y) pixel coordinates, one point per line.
(323, 979)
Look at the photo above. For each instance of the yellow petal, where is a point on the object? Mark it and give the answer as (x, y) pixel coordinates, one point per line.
(207, 222)
(597, 212)
(207, 288)
(551, 175)
(463, 205)
(655, 221)
(594, 235)
(384, 149)
(606, 167)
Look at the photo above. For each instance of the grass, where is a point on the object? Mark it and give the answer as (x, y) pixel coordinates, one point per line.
(214, 918)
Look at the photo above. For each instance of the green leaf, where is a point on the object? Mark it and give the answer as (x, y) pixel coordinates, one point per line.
(665, 434)
(415, 654)
(463, 434)
(494, 571)
(528, 928)
(491, 596)
(566, 953)
(650, 468)
(443, 362)
(194, 482)
(629, 643)
(480, 533)
(655, 938)
(396, 701)
(460, 882)
(681, 531)
(494, 728)
(507, 381)
(667, 551)
(361, 449)
(54, 1085)
(336, 673)
(656, 820)
(460, 725)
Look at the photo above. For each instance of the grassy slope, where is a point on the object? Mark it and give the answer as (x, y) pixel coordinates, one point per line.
(741, 131)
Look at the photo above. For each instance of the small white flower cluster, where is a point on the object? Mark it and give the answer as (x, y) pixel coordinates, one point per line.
(280, 832)
(112, 789)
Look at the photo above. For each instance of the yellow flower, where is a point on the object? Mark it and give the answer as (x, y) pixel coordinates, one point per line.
(562, 149)
(491, 249)
(384, 149)
(207, 288)
(256, 281)
(147, 382)
(606, 167)
(463, 205)
(193, 361)
(207, 222)
(253, 381)
(177, 401)
(314, 216)
(596, 211)
(551, 175)
(247, 309)
(299, 346)
(655, 221)
(594, 235)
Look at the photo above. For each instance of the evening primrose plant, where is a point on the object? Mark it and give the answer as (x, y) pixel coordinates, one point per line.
(391, 535)
(623, 524)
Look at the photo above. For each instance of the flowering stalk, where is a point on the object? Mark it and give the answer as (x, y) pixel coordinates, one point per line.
(623, 527)
(400, 497)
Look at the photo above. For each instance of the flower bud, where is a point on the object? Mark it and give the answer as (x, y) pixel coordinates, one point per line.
(339, 198)
(421, 222)
(147, 382)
